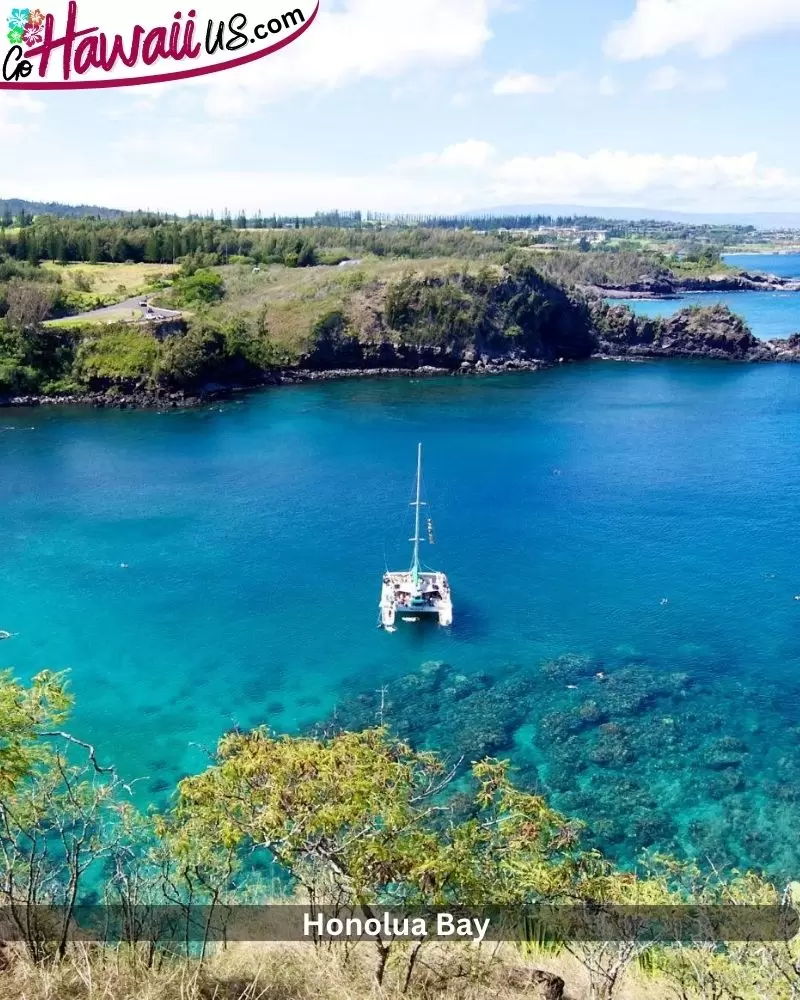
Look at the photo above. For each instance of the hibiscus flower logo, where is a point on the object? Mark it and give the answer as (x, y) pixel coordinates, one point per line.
(25, 25)
(19, 18)
(33, 35)
(16, 24)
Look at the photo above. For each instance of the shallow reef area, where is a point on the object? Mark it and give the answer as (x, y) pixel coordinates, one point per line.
(685, 762)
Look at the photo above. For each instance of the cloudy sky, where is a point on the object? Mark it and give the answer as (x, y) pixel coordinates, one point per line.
(446, 105)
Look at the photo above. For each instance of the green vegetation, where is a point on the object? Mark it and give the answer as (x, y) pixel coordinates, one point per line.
(199, 288)
(353, 820)
(119, 354)
(257, 300)
(156, 240)
(242, 324)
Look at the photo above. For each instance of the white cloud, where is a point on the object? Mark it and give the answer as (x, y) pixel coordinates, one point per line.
(528, 83)
(470, 155)
(709, 26)
(466, 175)
(669, 78)
(364, 39)
(605, 177)
(643, 179)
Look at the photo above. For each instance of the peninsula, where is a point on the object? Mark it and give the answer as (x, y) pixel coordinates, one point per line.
(186, 319)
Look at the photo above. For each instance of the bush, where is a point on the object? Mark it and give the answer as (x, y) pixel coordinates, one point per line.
(118, 354)
(200, 288)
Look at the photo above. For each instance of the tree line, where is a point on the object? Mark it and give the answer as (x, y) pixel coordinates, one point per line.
(148, 240)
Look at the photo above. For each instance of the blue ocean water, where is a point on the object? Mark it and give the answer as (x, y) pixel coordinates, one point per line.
(768, 314)
(203, 569)
(785, 265)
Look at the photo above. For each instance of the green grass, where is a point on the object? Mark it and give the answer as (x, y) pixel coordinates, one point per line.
(118, 355)
(90, 286)
(295, 299)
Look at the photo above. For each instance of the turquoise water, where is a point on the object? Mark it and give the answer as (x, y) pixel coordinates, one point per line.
(199, 570)
(785, 265)
(768, 314)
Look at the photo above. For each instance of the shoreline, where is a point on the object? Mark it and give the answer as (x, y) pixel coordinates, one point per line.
(149, 400)
(772, 353)
(674, 288)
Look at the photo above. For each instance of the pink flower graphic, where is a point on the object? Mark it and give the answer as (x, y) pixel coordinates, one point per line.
(33, 35)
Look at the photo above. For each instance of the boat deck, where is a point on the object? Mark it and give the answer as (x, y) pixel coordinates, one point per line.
(430, 595)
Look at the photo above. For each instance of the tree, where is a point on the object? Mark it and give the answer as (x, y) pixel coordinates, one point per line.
(29, 304)
(201, 288)
(361, 820)
(54, 814)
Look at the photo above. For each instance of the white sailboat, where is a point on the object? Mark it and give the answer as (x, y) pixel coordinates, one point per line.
(417, 592)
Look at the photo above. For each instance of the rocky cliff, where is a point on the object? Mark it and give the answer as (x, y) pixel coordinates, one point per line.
(714, 333)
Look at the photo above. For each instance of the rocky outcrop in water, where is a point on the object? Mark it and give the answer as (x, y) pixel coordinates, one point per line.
(714, 333)
(670, 286)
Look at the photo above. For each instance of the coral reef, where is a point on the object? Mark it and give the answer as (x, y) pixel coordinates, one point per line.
(650, 758)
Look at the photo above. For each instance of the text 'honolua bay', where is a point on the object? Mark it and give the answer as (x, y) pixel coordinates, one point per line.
(447, 926)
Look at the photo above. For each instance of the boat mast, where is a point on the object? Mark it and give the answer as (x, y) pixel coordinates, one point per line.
(415, 567)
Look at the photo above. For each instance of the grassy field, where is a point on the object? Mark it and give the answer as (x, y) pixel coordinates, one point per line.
(112, 279)
(300, 972)
(116, 281)
(293, 299)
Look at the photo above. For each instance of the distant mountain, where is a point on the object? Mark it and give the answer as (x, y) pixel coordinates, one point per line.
(761, 220)
(16, 205)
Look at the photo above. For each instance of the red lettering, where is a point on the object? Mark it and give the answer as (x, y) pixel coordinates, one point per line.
(174, 38)
(67, 41)
(109, 60)
(189, 50)
(86, 55)
(155, 46)
(90, 48)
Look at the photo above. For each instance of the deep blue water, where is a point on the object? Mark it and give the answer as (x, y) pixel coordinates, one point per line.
(196, 570)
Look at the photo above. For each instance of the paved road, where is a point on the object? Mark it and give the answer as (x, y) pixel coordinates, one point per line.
(130, 310)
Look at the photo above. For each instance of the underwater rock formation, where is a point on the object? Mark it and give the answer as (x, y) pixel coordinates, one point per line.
(695, 764)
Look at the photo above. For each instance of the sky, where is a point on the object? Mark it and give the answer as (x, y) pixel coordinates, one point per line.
(445, 106)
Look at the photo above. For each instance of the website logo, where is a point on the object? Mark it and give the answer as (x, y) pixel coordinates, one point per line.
(97, 44)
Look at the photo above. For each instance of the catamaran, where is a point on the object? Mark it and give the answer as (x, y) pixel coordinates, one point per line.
(417, 592)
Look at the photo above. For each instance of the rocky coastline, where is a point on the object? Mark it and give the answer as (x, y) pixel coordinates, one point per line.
(634, 344)
(713, 334)
(608, 332)
(678, 345)
(142, 398)
(672, 286)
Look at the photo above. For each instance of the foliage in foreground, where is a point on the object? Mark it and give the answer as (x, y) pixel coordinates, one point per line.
(353, 820)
